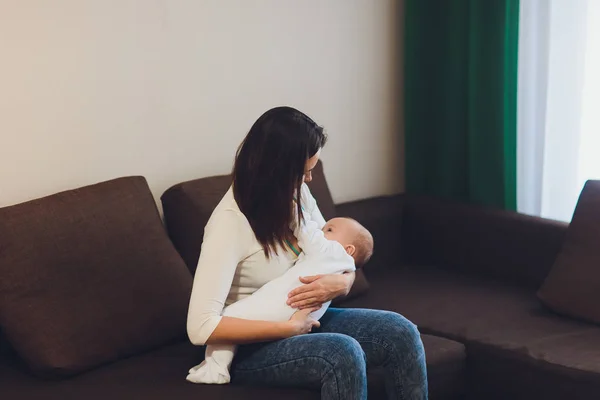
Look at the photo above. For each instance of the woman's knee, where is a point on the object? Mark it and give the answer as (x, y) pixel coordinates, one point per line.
(345, 351)
(339, 351)
(402, 332)
(402, 324)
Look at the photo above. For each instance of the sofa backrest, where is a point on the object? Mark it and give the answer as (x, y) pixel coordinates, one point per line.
(187, 207)
(479, 240)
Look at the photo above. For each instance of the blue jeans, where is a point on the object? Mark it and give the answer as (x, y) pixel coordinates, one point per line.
(334, 359)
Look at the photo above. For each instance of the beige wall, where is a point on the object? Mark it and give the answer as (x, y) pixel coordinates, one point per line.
(95, 89)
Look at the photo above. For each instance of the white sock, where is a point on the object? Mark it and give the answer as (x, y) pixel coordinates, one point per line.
(215, 367)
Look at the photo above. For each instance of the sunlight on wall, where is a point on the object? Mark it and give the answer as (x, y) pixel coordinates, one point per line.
(589, 161)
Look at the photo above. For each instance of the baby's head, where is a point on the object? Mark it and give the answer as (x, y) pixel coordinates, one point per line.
(356, 239)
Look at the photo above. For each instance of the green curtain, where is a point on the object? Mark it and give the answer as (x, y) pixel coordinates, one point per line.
(461, 99)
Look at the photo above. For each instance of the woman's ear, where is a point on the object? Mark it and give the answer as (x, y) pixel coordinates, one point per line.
(350, 249)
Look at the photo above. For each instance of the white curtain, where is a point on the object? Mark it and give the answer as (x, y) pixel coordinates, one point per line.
(558, 114)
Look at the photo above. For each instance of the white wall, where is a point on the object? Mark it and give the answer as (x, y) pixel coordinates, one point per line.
(95, 89)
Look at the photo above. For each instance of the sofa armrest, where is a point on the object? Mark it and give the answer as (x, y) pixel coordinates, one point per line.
(490, 242)
(382, 217)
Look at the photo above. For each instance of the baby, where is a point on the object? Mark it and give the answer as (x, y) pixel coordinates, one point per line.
(339, 247)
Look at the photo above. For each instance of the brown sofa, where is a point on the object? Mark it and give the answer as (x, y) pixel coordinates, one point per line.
(466, 276)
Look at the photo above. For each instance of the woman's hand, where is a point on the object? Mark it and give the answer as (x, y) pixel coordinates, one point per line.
(301, 322)
(319, 289)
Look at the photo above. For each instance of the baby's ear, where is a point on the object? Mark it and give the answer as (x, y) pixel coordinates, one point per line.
(350, 249)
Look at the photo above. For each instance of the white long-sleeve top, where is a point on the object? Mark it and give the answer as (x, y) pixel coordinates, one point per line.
(232, 264)
(319, 257)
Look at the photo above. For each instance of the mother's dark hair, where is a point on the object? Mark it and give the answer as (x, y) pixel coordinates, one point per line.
(269, 169)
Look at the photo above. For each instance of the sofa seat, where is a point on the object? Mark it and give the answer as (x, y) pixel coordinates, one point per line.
(161, 375)
(156, 375)
(516, 348)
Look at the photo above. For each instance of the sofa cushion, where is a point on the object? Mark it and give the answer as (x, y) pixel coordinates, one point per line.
(446, 367)
(89, 276)
(5, 348)
(489, 242)
(506, 321)
(187, 207)
(161, 375)
(573, 285)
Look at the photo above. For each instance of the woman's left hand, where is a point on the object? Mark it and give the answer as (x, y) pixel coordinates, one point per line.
(319, 289)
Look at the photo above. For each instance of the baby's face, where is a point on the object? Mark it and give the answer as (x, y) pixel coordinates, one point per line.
(342, 230)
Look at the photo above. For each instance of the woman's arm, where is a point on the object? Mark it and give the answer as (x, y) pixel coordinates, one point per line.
(225, 242)
(237, 331)
(319, 289)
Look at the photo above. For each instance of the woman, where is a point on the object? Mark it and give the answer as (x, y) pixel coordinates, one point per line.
(248, 242)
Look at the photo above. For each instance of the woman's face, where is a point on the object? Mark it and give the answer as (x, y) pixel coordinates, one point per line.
(310, 165)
